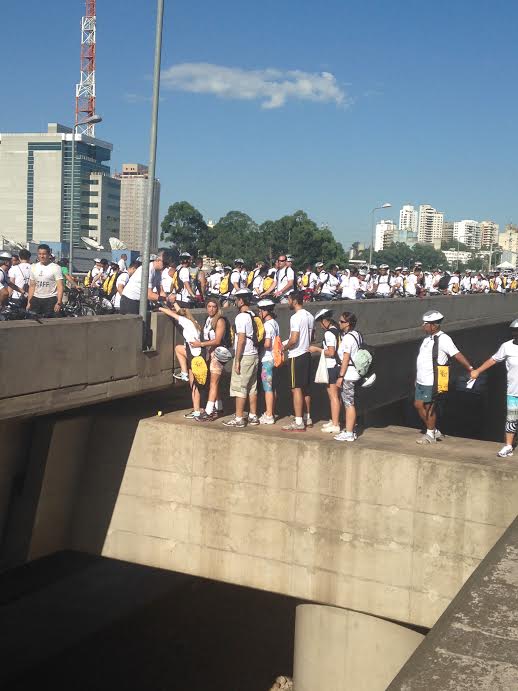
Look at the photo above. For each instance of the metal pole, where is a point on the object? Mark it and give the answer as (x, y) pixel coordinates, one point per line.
(372, 236)
(72, 181)
(490, 255)
(152, 161)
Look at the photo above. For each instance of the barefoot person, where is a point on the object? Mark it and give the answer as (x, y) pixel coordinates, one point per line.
(508, 353)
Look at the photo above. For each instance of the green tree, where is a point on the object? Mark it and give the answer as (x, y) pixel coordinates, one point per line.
(401, 254)
(184, 226)
(235, 235)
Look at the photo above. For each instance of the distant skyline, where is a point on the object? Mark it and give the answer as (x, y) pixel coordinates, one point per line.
(334, 109)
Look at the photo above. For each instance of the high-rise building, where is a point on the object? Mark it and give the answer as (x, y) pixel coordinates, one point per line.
(489, 233)
(134, 206)
(35, 185)
(467, 232)
(385, 231)
(508, 240)
(408, 220)
(447, 232)
(430, 224)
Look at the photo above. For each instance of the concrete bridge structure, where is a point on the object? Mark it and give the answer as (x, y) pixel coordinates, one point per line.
(382, 526)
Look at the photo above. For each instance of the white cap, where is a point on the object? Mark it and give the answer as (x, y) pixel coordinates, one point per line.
(97, 260)
(319, 264)
(432, 316)
(185, 255)
(265, 303)
(241, 292)
(514, 324)
(323, 313)
(384, 266)
(239, 261)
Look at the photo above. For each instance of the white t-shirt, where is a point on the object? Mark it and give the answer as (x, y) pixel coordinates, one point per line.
(184, 276)
(349, 285)
(447, 349)
(350, 344)
(330, 341)
(271, 330)
(213, 281)
(236, 277)
(46, 278)
(454, 281)
(167, 281)
(122, 280)
(19, 275)
(257, 285)
(329, 283)
(209, 334)
(383, 285)
(243, 325)
(190, 333)
(312, 280)
(302, 322)
(411, 283)
(4, 277)
(284, 276)
(132, 287)
(122, 264)
(508, 351)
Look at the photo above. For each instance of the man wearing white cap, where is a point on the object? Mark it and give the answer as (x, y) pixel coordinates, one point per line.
(382, 285)
(434, 354)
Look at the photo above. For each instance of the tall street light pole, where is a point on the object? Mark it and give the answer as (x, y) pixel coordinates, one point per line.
(387, 205)
(152, 163)
(93, 120)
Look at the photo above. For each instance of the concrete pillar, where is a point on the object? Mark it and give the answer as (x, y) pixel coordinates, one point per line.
(341, 650)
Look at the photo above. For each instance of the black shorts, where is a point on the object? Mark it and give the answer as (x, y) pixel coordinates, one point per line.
(44, 307)
(300, 372)
(128, 306)
(333, 373)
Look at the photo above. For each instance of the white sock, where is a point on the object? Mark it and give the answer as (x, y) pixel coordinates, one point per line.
(437, 432)
(196, 413)
(219, 404)
(298, 420)
(238, 419)
(307, 416)
(431, 433)
(209, 407)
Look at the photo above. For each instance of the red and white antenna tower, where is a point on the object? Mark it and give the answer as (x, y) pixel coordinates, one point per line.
(85, 90)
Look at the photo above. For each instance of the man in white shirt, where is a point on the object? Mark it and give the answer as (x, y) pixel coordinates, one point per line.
(285, 279)
(436, 350)
(329, 283)
(130, 298)
(122, 262)
(214, 281)
(121, 281)
(20, 275)
(243, 383)
(46, 285)
(302, 325)
(6, 284)
(383, 282)
(508, 353)
(186, 296)
(236, 277)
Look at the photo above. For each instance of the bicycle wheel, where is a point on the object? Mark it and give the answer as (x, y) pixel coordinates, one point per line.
(87, 311)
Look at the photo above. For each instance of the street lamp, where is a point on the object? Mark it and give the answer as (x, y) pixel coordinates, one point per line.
(387, 205)
(152, 165)
(92, 120)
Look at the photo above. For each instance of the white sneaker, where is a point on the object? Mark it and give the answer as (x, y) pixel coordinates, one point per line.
(266, 420)
(505, 452)
(439, 436)
(345, 436)
(332, 429)
(329, 423)
(308, 422)
(183, 376)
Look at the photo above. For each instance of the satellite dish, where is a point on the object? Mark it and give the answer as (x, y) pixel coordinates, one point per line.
(92, 244)
(12, 244)
(117, 244)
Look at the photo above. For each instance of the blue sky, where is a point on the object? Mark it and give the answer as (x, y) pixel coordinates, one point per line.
(418, 104)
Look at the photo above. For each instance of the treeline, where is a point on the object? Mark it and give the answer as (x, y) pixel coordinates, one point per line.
(238, 235)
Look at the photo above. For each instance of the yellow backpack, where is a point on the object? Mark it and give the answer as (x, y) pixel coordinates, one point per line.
(88, 278)
(267, 283)
(250, 278)
(305, 280)
(224, 286)
(258, 327)
(199, 370)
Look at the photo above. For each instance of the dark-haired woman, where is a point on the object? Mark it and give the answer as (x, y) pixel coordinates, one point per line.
(348, 377)
(330, 348)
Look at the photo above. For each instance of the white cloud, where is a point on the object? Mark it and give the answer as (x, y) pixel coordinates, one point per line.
(272, 87)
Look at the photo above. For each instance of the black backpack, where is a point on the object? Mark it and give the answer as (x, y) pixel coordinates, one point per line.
(444, 282)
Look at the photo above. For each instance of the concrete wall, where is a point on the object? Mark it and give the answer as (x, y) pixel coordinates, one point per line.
(62, 364)
(339, 650)
(379, 526)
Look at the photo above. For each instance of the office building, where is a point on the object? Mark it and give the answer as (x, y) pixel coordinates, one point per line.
(455, 257)
(134, 206)
(430, 225)
(385, 231)
(508, 240)
(468, 232)
(489, 233)
(35, 185)
(408, 220)
(447, 233)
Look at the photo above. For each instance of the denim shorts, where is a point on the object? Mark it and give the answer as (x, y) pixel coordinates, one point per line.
(423, 393)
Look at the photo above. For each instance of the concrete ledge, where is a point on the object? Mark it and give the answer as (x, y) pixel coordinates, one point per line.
(381, 526)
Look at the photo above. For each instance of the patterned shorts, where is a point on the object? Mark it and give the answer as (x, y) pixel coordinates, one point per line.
(267, 376)
(348, 391)
(511, 424)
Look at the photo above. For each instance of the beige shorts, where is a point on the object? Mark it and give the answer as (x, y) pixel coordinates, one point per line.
(216, 367)
(245, 383)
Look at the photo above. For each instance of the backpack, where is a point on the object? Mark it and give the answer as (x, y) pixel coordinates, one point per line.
(199, 370)
(444, 282)
(279, 357)
(228, 338)
(258, 327)
(175, 286)
(250, 278)
(110, 284)
(305, 280)
(267, 283)
(364, 358)
(88, 278)
(455, 288)
(224, 286)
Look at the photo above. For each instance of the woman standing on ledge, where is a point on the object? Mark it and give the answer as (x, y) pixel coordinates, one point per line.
(508, 353)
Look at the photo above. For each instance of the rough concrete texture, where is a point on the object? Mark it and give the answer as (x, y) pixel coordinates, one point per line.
(474, 645)
(337, 650)
(381, 526)
(95, 359)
